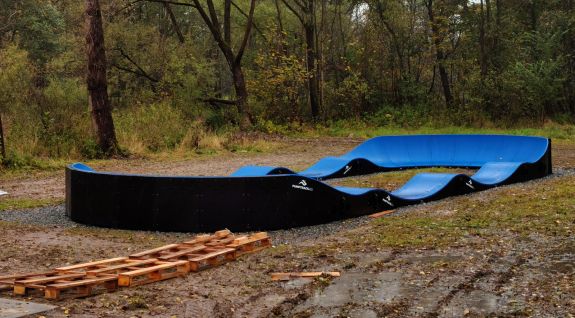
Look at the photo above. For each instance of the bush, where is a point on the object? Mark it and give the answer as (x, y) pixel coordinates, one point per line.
(154, 127)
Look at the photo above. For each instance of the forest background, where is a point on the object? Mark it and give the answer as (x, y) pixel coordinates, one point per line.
(342, 67)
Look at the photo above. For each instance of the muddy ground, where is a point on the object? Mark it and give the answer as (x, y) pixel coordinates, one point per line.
(460, 268)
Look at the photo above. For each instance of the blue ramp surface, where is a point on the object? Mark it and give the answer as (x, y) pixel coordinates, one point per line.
(267, 198)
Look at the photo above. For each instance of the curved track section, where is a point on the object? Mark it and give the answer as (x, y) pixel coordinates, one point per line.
(267, 198)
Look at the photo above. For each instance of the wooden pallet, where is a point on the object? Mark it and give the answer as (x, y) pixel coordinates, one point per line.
(74, 284)
(172, 251)
(214, 239)
(154, 272)
(159, 251)
(7, 281)
(250, 244)
(84, 267)
(168, 261)
(23, 286)
(131, 272)
(81, 288)
(199, 256)
(210, 257)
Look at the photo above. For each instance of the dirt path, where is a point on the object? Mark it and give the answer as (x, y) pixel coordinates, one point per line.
(293, 153)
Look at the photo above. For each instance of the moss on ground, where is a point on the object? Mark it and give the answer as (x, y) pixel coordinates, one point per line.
(564, 133)
(545, 208)
(391, 180)
(20, 203)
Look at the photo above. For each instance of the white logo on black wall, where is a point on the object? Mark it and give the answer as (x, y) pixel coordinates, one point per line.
(347, 168)
(470, 184)
(388, 200)
(302, 185)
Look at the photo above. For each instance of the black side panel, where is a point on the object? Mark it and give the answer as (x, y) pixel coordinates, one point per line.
(196, 204)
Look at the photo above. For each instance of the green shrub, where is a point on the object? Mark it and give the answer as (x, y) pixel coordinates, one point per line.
(154, 127)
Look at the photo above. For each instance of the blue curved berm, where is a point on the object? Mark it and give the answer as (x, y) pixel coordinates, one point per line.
(267, 198)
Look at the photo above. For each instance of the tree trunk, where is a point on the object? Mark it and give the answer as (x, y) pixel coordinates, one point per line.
(174, 22)
(482, 55)
(246, 119)
(97, 81)
(441, 56)
(211, 20)
(311, 69)
(2, 143)
(534, 15)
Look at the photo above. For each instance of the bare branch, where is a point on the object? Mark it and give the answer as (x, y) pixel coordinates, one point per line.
(225, 47)
(131, 4)
(174, 22)
(214, 15)
(294, 11)
(227, 21)
(253, 23)
(140, 71)
(214, 101)
(242, 48)
(135, 72)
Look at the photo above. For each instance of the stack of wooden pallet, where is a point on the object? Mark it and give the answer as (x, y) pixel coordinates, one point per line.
(149, 266)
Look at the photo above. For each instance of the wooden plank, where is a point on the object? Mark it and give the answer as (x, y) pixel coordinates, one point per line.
(251, 244)
(199, 239)
(183, 252)
(205, 238)
(288, 276)
(222, 233)
(249, 239)
(212, 259)
(82, 288)
(82, 282)
(21, 287)
(151, 269)
(90, 264)
(17, 276)
(43, 280)
(380, 214)
(212, 254)
(154, 273)
(128, 265)
(221, 242)
(155, 250)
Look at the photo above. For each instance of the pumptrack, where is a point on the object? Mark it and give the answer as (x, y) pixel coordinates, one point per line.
(268, 198)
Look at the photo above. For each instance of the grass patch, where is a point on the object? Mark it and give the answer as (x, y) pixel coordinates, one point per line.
(365, 130)
(145, 239)
(18, 204)
(546, 208)
(391, 180)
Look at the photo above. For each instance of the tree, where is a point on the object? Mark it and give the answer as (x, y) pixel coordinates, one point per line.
(2, 145)
(234, 59)
(441, 54)
(97, 82)
(305, 12)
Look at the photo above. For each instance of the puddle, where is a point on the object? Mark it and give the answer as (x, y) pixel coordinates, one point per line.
(563, 261)
(13, 308)
(434, 259)
(361, 288)
(478, 302)
(559, 261)
(297, 283)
